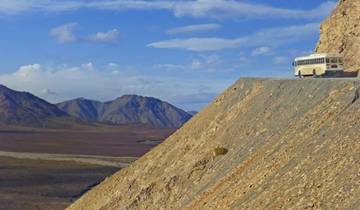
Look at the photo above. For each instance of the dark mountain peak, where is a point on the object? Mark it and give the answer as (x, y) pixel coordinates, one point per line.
(85, 100)
(22, 108)
(82, 108)
(81, 99)
(3, 87)
(135, 101)
(134, 97)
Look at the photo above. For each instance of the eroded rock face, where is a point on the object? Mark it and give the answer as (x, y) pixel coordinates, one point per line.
(340, 33)
(290, 144)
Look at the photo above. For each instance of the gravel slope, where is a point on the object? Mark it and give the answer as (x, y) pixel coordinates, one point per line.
(291, 144)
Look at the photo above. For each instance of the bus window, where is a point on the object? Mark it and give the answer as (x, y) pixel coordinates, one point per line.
(333, 60)
(327, 60)
(341, 60)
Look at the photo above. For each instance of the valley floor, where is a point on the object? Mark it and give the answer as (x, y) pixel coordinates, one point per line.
(121, 141)
(49, 169)
(44, 184)
(119, 162)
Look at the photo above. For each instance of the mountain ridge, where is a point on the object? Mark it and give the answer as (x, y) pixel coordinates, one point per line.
(127, 109)
(25, 109)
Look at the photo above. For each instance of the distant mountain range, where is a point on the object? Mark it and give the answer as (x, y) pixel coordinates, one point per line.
(24, 109)
(128, 109)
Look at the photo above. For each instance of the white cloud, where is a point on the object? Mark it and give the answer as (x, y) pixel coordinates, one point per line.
(64, 33)
(71, 82)
(111, 36)
(198, 44)
(202, 62)
(13, 7)
(112, 65)
(196, 64)
(88, 66)
(25, 71)
(48, 92)
(261, 51)
(194, 28)
(231, 8)
(273, 37)
(243, 59)
(170, 67)
(280, 60)
(180, 8)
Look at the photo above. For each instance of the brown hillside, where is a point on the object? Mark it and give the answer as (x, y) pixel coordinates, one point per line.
(340, 33)
(263, 144)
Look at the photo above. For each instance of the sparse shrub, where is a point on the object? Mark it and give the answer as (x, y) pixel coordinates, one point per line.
(220, 151)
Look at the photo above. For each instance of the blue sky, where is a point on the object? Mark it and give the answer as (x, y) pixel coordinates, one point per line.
(184, 51)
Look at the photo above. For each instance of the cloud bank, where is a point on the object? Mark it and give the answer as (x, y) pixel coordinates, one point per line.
(273, 37)
(193, 28)
(66, 34)
(61, 83)
(111, 36)
(180, 8)
(261, 51)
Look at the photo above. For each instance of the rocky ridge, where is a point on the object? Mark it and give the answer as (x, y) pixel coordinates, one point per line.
(340, 33)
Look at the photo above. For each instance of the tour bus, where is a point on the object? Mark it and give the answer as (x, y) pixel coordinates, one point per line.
(317, 65)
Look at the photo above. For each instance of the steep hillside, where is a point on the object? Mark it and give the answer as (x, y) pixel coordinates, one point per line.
(128, 109)
(25, 109)
(340, 33)
(263, 144)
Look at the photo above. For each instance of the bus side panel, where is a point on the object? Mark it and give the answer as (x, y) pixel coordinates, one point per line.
(309, 70)
(306, 70)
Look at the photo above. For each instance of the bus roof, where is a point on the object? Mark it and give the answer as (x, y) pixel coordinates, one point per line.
(318, 55)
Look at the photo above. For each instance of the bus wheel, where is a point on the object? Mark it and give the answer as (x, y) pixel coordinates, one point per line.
(299, 74)
(314, 74)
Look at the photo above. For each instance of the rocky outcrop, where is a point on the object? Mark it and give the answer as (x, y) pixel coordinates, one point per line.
(340, 33)
(263, 144)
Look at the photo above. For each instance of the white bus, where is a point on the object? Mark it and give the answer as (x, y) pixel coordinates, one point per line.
(318, 65)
